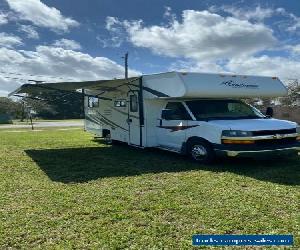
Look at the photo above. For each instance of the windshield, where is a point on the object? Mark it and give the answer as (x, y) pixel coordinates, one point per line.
(222, 109)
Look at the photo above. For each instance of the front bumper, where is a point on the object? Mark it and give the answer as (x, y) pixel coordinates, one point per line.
(256, 151)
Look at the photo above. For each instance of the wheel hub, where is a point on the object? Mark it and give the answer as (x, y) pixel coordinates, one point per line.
(199, 152)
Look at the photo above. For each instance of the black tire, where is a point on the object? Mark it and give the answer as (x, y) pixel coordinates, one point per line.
(105, 132)
(201, 151)
(107, 139)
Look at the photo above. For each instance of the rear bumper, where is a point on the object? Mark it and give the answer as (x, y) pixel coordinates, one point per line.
(255, 151)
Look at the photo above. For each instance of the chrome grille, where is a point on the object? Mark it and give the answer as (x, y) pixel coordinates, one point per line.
(274, 132)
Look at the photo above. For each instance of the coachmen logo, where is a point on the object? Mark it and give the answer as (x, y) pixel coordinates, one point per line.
(234, 84)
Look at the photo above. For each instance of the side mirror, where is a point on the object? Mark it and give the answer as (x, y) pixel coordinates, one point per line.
(269, 112)
(165, 114)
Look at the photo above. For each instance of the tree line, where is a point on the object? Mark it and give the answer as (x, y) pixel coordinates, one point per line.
(51, 105)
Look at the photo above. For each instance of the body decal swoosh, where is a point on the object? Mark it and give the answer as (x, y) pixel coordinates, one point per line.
(177, 128)
(111, 123)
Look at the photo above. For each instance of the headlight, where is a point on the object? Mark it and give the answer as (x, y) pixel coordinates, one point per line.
(236, 133)
(298, 129)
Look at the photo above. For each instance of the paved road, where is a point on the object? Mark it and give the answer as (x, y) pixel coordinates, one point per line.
(45, 124)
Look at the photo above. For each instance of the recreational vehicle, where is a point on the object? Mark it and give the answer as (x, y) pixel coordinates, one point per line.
(198, 114)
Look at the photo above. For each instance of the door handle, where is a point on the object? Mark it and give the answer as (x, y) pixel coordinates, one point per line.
(129, 120)
(160, 122)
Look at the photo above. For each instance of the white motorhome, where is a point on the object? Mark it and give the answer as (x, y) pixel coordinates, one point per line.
(198, 114)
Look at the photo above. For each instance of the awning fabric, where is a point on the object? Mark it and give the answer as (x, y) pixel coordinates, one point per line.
(69, 86)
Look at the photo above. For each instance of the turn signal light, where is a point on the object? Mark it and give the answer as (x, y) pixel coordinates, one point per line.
(226, 141)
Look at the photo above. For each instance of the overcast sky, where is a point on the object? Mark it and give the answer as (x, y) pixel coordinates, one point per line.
(67, 40)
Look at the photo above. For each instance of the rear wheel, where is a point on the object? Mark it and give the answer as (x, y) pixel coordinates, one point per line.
(106, 136)
(201, 151)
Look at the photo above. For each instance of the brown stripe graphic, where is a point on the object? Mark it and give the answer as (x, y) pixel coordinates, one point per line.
(177, 128)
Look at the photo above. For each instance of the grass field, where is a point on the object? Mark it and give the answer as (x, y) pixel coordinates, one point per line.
(60, 189)
(27, 121)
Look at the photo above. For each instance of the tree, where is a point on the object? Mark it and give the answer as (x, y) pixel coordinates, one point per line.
(293, 97)
(56, 104)
(10, 107)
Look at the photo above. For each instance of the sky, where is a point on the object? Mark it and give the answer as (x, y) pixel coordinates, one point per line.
(67, 40)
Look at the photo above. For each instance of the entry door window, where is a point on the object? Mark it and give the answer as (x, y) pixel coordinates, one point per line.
(133, 103)
(93, 102)
(177, 111)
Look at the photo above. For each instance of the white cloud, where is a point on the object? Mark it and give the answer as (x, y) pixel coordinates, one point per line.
(67, 44)
(42, 15)
(296, 25)
(53, 65)
(6, 84)
(282, 67)
(168, 12)
(114, 41)
(9, 40)
(3, 19)
(193, 66)
(201, 35)
(110, 23)
(295, 49)
(169, 15)
(30, 31)
(257, 14)
(117, 32)
(291, 22)
(207, 42)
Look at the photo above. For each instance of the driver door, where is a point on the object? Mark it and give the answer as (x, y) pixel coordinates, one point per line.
(171, 130)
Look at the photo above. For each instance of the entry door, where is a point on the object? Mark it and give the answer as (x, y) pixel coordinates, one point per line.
(133, 120)
(171, 131)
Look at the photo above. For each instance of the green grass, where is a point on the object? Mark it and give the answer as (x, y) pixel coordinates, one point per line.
(62, 190)
(27, 121)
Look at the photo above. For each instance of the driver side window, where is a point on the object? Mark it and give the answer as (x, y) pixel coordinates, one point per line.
(177, 111)
(239, 108)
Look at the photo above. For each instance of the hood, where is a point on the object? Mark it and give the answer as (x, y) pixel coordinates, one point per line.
(254, 124)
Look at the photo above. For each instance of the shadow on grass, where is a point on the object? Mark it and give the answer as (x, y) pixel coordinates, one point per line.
(71, 165)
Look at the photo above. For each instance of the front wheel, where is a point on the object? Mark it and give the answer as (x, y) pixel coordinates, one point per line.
(201, 151)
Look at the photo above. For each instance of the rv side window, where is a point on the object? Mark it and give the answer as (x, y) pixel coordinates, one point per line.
(120, 103)
(133, 103)
(93, 102)
(177, 112)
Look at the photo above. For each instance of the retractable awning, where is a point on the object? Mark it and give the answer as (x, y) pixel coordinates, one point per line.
(101, 85)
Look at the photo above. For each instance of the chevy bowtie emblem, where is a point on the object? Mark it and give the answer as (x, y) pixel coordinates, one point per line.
(277, 136)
